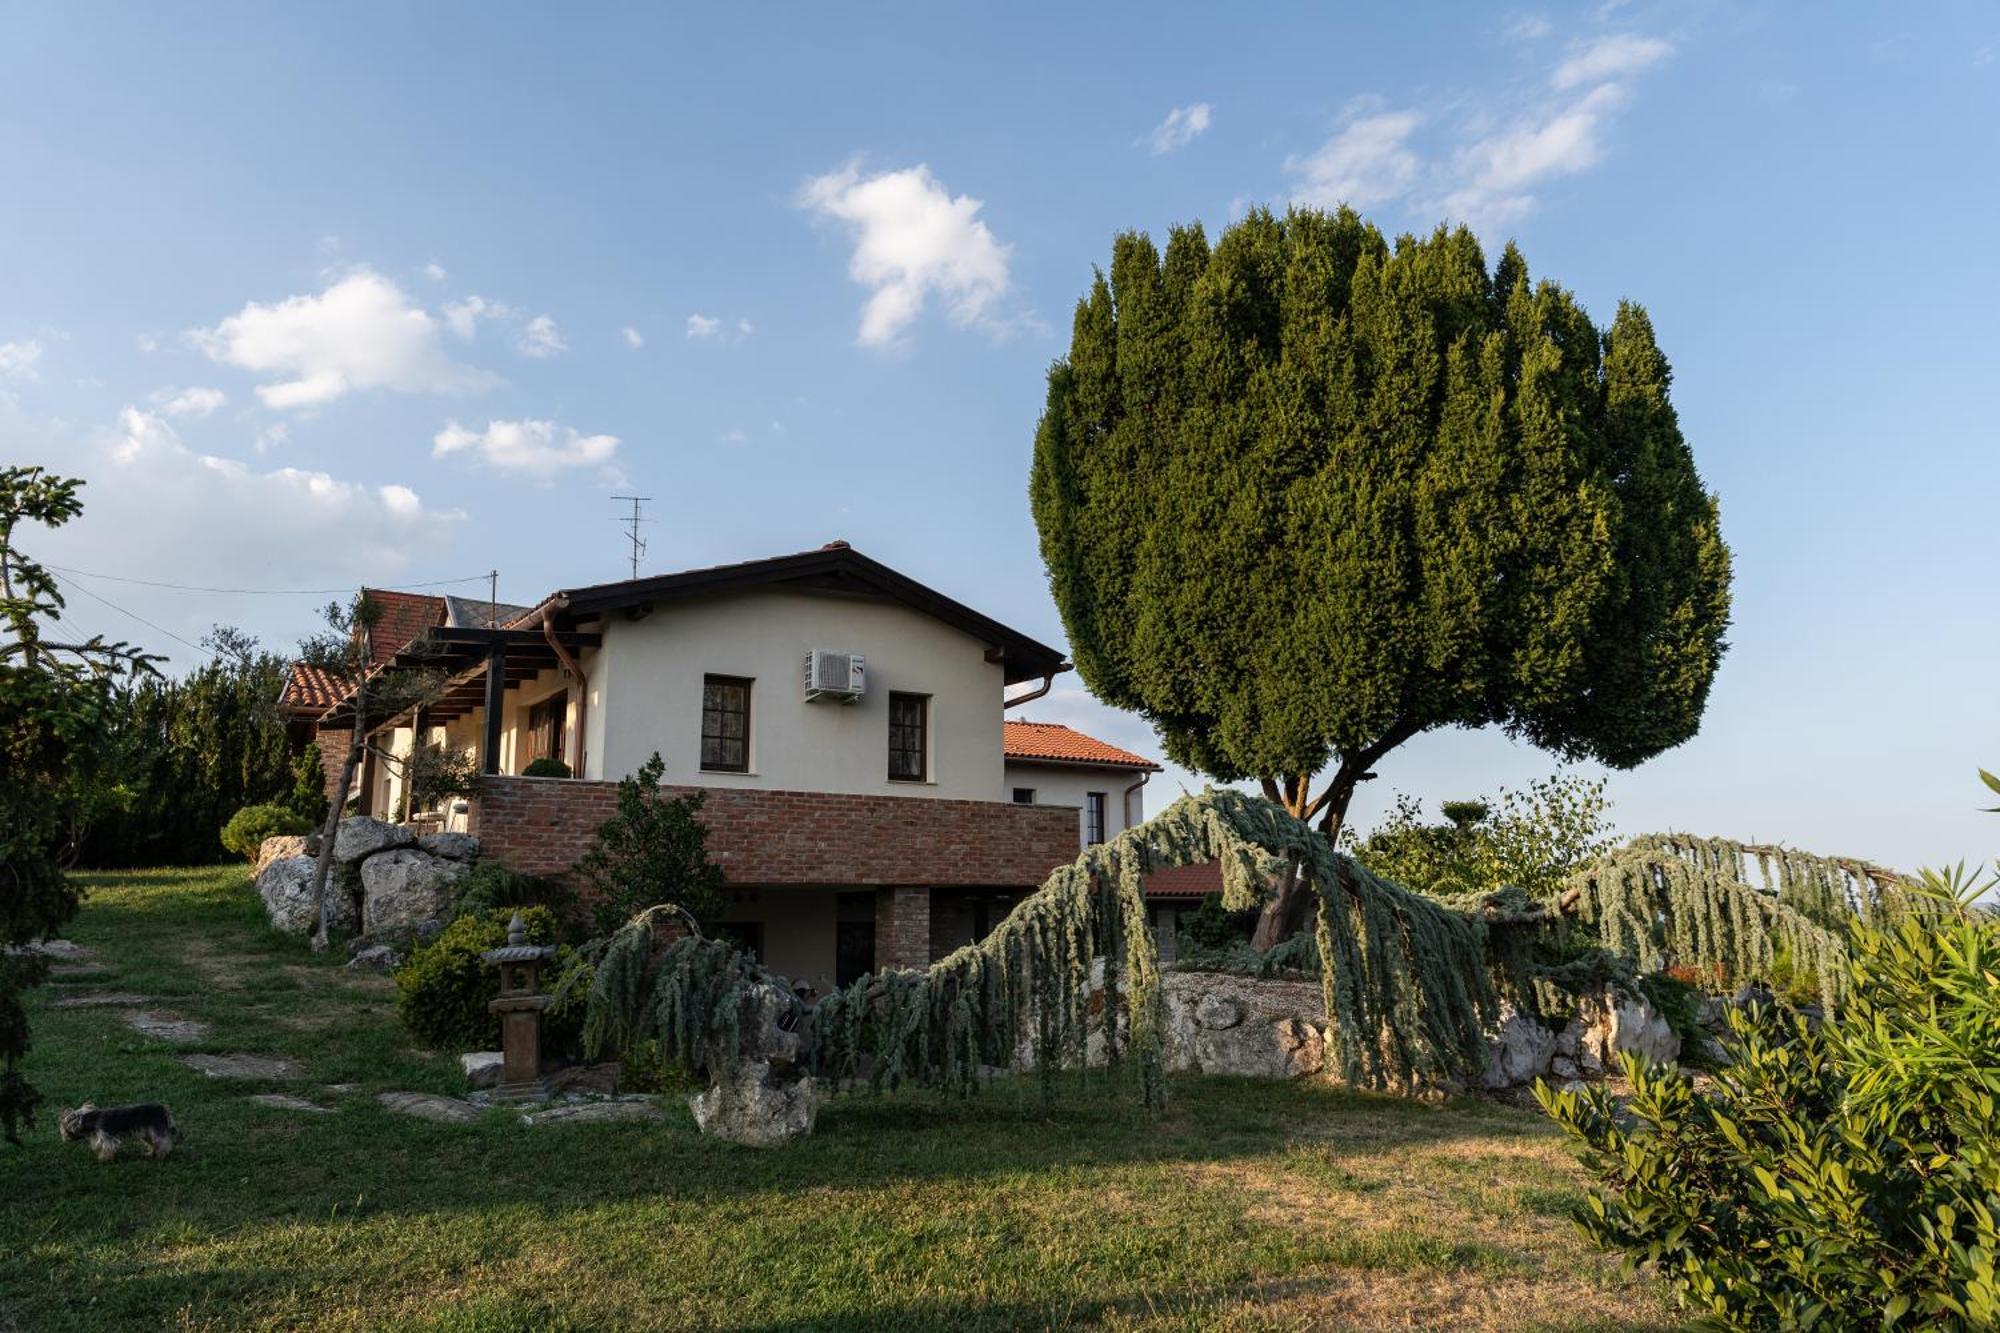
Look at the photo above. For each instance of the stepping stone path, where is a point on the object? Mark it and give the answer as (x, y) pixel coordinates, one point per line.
(244, 1066)
(284, 1101)
(584, 1113)
(430, 1106)
(167, 1027)
(340, 1089)
(102, 999)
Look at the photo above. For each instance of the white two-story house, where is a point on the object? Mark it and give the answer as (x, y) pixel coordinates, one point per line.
(866, 794)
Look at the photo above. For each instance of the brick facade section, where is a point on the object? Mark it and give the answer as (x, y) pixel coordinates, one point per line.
(333, 746)
(903, 927)
(542, 825)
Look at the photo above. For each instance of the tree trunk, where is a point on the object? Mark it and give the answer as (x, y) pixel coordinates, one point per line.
(323, 866)
(1285, 915)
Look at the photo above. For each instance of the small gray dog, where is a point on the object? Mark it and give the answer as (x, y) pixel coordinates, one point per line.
(149, 1123)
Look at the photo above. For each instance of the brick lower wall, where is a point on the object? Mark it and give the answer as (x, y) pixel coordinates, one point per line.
(542, 825)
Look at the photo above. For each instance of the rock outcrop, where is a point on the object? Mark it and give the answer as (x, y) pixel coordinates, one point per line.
(764, 1100)
(285, 885)
(385, 880)
(1613, 1022)
(362, 836)
(407, 894)
(1519, 1049)
(1251, 1027)
(285, 845)
(451, 846)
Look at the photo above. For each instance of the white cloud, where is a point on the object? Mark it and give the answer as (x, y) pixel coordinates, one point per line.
(1367, 163)
(272, 436)
(913, 239)
(191, 402)
(156, 497)
(1557, 127)
(1528, 28)
(435, 272)
(633, 338)
(712, 328)
(1609, 58)
(360, 333)
(17, 359)
(463, 316)
(1497, 174)
(1180, 127)
(538, 449)
(539, 340)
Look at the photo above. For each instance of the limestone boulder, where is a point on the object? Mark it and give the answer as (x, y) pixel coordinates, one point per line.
(1518, 1050)
(750, 1106)
(407, 894)
(482, 1068)
(277, 849)
(450, 846)
(1252, 1027)
(1615, 1021)
(362, 836)
(285, 885)
(375, 958)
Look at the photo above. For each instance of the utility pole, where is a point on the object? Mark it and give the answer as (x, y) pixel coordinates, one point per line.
(632, 525)
(493, 600)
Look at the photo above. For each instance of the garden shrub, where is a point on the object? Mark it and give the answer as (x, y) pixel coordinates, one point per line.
(437, 773)
(492, 885)
(653, 850)
(307, 797)
(1533, 839)
(548, 766)
(247, 828)
(1843, 1178)
(443, 990)
(1212, 926)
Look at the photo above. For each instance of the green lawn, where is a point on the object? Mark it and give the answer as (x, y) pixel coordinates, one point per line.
(1247, 1206)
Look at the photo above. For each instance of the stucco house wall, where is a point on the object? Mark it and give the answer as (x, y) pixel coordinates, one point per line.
(646, 695)
(1062, 785)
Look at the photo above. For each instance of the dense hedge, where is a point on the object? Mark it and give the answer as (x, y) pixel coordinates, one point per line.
(187, 754)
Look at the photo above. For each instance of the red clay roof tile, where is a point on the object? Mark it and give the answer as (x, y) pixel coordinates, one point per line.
(1052, 742)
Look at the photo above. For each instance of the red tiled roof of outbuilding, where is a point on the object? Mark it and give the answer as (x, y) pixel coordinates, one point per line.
(1052, 742)
(404, 616)
(311, 690)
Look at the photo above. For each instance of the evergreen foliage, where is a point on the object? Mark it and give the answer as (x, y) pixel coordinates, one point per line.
(1677, 901)
(1844, 1178)
(308, 794)
(547, 766)
(1305, 495)
(443, 989)
(189, 752)
(246, 830)
(653, 850)
(56, 700)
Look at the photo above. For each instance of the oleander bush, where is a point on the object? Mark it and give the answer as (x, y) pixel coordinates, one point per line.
(1846, 1177)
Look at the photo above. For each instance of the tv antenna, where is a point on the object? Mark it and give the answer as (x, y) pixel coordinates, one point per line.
(632, 528)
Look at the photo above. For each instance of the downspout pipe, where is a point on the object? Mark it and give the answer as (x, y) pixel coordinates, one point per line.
(1125, 801)
(546, 616)
(1048, 683)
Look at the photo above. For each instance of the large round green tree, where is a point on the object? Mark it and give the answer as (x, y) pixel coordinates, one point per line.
(1305, 495)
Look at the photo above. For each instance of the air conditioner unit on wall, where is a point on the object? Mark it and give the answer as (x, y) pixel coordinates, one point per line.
(842, 676)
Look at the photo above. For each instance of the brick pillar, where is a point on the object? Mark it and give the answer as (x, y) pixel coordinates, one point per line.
(332, 758)
(902, 927)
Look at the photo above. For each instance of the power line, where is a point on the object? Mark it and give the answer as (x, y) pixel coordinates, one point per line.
(257, 592)
(161, 629)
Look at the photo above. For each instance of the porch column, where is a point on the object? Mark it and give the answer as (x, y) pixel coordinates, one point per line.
(902, 927)
(496, 694)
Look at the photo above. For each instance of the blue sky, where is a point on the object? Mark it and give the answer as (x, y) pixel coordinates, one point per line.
(402, 293)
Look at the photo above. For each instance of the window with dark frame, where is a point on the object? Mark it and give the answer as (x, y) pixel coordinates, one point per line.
(725, 724)
(1093, 818)
(1024, 796)
(909, 719)
(545, 728)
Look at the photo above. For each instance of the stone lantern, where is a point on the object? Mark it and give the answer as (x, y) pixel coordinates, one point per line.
(520, 1004)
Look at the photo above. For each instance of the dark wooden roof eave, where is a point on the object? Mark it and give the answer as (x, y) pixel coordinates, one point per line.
(834, 569)
(464, 651)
